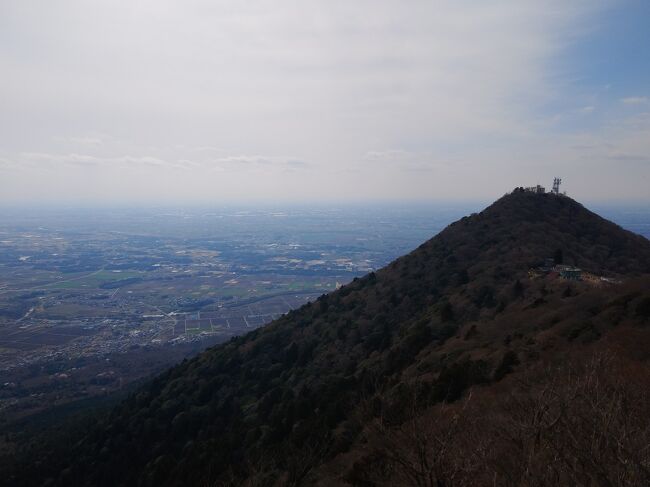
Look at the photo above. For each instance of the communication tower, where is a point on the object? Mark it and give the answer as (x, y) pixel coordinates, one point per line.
(556, 185)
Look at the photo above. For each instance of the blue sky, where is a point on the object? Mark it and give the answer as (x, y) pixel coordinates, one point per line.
(608, 61)
(613, 59)
(160, 101)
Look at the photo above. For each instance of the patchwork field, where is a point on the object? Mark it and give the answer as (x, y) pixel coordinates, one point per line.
(242, 318)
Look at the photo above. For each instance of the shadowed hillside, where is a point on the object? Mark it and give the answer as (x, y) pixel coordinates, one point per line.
(321, 394)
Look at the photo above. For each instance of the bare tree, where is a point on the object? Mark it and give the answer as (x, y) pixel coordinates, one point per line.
(584, 423)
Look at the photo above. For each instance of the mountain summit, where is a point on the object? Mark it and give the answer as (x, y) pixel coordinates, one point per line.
(360, 386)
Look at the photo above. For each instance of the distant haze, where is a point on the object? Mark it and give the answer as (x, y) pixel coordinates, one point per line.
(230, 101)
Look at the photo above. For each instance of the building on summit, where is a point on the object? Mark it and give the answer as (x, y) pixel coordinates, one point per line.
(535, 189)
(538, 189)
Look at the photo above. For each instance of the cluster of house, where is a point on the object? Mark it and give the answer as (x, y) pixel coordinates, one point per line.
(535, 189)
(550, 268)
(570, 273)
(538, 189)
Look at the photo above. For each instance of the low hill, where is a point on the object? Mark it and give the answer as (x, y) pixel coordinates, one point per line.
(325, 394)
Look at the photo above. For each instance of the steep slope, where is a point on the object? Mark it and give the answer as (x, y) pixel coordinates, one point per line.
(281, 402)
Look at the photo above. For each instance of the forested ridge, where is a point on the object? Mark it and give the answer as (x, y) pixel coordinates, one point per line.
(456, 331)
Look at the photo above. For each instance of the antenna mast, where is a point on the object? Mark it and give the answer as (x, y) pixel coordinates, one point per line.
(556, 185)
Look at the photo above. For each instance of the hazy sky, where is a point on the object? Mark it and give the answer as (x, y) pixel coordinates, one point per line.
(197, 101)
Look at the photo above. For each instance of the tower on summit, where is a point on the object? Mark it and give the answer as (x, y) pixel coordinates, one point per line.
(556, 185)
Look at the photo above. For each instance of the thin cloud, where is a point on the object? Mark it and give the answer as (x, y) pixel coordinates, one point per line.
(264, 161)
(275, 99)
(635, 100)
(86, 160)
(626, 158)
(405, 161)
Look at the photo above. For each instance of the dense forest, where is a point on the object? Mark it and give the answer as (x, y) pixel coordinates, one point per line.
(448, 367)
